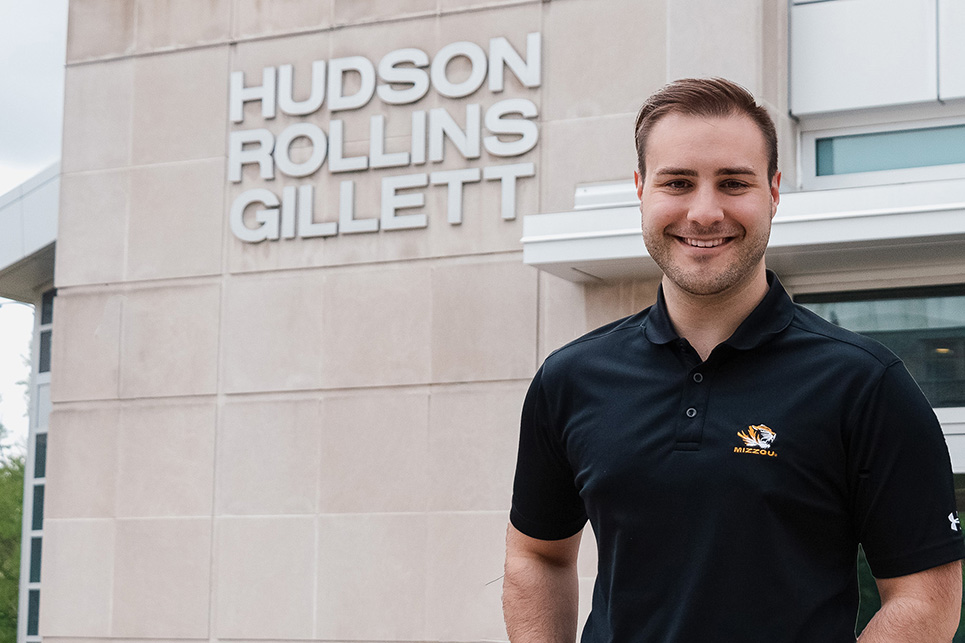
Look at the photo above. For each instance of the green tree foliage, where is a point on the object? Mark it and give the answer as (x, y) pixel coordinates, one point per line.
(11, 515)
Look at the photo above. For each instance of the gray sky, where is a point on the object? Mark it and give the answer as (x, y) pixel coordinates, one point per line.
(33, 36)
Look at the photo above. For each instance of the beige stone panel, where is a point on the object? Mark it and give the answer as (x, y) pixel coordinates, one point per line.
(587, 561)
(280, 254)
(510, 22)
(456, 5)
(180, 106)
(602, 57)
(162, 578)
(273, 332)
(373, 452)
(85, 348)
(78, 570)
(169, 24)
(165, 463)
(568, 159)
(483, 228)
(82, 464)
(586, 603)
(170, 341)
(260, 18)
(465, 589)
(372, 577)
(177, 220)
(376, 327)
(268, 457)
(264, 577)
(484, 321)
(562, 313)
(300, 51)
(611, 301)
(92, 227)
(473, 436)
(98, 116)
(729, 35)
(373, 41)
(99, 29)
(351, 11)
(386, 245)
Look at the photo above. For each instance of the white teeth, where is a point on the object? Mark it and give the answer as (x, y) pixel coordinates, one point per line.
(705, 243)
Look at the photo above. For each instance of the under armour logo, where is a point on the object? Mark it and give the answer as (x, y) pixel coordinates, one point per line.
(956, 523)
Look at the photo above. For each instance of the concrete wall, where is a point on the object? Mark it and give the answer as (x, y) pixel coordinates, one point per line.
(315, 438)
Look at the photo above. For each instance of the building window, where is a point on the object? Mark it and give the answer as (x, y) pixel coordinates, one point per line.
(33, 613)
(36, 546)
(881, 154)
(925, 327)
(889, 150)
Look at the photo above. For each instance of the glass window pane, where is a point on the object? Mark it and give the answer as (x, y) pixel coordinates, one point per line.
(40, 456)
(927, 332)
(890, 150)
(44, 366)
(33, 612)
(43, 406)
(37, 521)
(36, 546)
(47, 307)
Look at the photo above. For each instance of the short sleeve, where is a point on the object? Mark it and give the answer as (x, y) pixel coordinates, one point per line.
(546, 502)
(901, 480)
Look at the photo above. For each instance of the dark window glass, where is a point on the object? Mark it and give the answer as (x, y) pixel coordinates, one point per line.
(38, 512)
(33, 612)
(40, 456)
(36, 546)
(44, 366)
(925, 327)
(47, 307)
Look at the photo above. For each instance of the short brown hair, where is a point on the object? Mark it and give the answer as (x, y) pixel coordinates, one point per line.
(716, 97)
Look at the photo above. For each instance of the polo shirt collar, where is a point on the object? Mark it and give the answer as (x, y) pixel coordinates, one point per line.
(770, 317)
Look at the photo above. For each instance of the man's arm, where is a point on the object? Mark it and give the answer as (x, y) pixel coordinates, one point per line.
(922, 607)
(540, 588)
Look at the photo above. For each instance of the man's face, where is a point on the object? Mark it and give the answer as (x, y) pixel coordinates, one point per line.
(706, 203)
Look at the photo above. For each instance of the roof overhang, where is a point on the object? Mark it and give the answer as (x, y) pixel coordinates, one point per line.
(28, 230)
(885, 226)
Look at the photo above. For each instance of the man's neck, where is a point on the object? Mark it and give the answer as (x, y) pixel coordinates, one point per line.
(707, 320)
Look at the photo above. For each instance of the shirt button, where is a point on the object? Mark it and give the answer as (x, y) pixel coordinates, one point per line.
(698, 378)
(691, 412)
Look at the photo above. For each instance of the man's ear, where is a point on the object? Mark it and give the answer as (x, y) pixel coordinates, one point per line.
(638, 182)
(775, 193)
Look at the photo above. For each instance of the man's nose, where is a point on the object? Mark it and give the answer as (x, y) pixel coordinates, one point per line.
(705, 208)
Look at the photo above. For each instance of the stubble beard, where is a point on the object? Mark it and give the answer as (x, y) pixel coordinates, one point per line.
(702, 278)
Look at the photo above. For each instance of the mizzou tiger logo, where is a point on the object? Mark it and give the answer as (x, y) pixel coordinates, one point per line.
(757, 439)
(758, 435)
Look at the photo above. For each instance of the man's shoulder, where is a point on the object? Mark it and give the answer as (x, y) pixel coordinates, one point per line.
(600, 341)
(839, 341)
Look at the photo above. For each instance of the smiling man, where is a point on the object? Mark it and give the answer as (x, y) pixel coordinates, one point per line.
(730, 449)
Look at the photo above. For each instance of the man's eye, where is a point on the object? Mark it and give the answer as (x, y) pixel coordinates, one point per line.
(676, 185)
(734, 185)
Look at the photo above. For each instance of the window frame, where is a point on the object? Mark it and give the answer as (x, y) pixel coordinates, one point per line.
(808, 148)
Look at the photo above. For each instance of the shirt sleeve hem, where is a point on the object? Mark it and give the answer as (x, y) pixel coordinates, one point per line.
(542, 531)
(919, 561)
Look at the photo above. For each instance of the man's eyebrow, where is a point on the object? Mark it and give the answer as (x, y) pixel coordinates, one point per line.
(729, 171)
(675, 171)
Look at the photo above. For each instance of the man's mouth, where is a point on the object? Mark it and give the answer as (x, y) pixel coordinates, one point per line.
(703, 243)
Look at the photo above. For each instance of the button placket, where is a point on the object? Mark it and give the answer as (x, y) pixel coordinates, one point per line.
(696, 392)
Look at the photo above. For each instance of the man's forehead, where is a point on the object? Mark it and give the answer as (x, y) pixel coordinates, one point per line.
(731, 145)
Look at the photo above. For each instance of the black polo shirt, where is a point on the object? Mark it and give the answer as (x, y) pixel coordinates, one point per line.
(728, 497)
